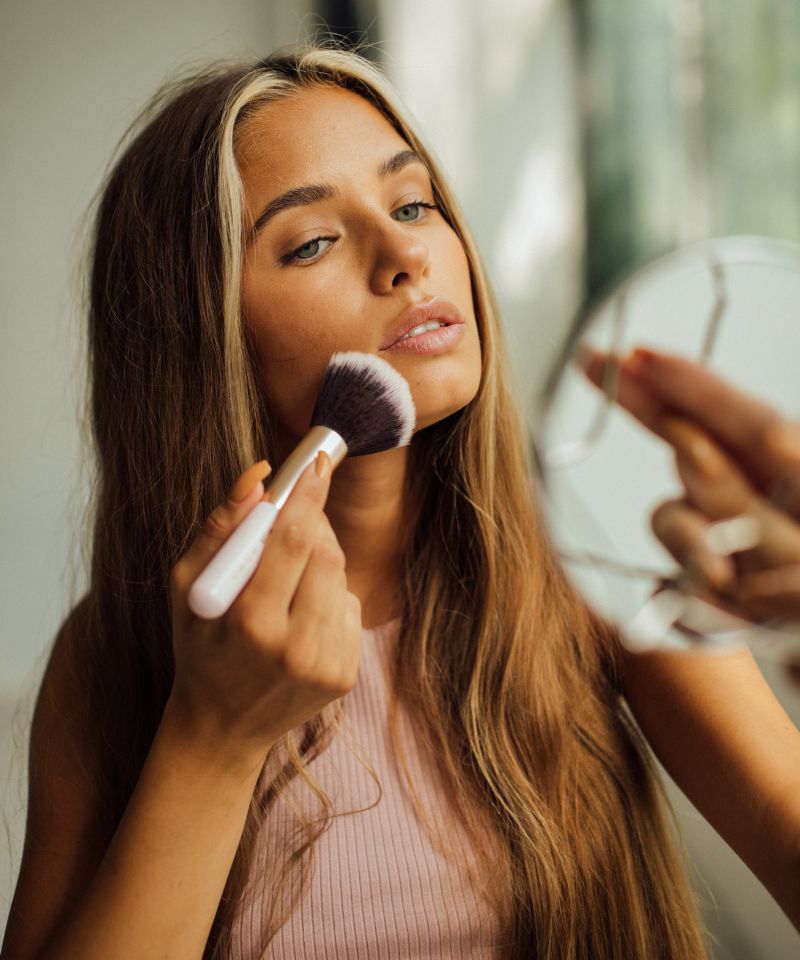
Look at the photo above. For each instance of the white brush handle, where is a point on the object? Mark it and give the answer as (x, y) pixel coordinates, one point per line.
(233, 564)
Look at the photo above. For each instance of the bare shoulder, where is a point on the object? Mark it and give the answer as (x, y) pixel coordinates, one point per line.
(64, 840)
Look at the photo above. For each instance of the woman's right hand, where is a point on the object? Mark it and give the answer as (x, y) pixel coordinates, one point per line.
(290, 642)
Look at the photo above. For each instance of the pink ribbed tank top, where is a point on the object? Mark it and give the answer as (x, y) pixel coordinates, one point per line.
(379, 890)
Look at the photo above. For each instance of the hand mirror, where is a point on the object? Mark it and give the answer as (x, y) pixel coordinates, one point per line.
(731, 304)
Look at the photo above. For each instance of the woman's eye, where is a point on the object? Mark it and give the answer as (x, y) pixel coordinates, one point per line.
(412, 211)
(310, 250)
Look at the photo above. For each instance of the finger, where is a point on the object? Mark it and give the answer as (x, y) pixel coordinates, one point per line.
(290, 541)
(319, 609)
(714, 483)
(623, 386)
(652, 383)
(684, 532)
(776, 591)
(719, 489)
(338, 662)
(219, 525)
(739, 420)
(322, 582)
(317, 615)
(783, 446)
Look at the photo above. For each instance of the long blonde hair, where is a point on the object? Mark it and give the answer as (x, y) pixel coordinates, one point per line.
(511, 678)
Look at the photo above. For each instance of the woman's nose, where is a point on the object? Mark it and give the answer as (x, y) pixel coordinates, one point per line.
(401, 258)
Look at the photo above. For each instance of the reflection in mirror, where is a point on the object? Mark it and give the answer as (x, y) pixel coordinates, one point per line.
(721, 318)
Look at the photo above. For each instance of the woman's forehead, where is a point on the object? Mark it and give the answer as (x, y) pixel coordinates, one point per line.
(318, 133)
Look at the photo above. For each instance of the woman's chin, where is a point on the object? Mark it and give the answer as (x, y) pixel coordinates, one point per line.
(429, 419)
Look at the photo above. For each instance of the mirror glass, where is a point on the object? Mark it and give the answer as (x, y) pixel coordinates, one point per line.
(731, 303)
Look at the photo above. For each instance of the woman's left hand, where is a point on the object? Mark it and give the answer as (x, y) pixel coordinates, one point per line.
(713, 721)
(736, 529)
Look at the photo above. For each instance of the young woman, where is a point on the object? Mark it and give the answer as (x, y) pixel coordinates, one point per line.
(407, 737)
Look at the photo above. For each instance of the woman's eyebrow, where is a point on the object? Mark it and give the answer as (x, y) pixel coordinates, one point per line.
(314, 193)
(296, 197)
(397, 162)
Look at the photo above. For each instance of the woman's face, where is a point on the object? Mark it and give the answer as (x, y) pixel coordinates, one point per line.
(347, 251)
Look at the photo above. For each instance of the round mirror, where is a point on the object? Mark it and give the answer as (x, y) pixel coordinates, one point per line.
(732, 306)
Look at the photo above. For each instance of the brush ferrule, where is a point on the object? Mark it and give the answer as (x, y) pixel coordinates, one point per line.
(318, 438)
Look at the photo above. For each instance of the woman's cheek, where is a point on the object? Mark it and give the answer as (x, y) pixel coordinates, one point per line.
(290, 338)
(281, 342)
(276, 323)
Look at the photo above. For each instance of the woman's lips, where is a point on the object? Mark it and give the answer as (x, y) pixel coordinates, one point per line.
(432, 341)
(434, 309)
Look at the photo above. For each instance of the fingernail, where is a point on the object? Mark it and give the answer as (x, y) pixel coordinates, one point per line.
(644, 356)
(323, 465)
(693, 446)
(245, 484)
(733, 535)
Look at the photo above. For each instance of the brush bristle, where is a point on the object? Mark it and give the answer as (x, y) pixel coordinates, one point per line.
(367, 402)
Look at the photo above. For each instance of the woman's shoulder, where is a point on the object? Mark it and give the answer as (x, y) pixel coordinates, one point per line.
(64, 838)
(62, 728)
(66, 753)
(67, 648)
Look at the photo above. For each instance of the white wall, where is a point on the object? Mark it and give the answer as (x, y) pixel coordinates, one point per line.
(73, 75)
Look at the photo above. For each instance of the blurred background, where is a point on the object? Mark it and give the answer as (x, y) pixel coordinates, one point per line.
(582, 137)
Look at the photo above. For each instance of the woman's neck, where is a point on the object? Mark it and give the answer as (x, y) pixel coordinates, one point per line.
(367, 509)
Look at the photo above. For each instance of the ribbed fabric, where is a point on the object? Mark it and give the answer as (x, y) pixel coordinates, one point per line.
(379, 891)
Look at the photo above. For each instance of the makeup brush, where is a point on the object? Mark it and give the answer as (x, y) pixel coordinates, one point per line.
(364, 406)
